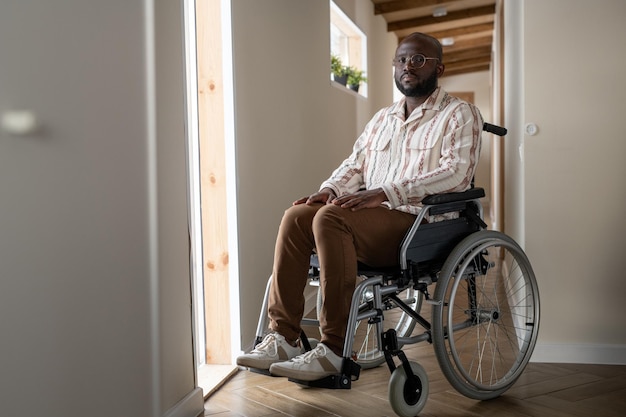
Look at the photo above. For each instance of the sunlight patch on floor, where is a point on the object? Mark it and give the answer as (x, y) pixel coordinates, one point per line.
(211, 377)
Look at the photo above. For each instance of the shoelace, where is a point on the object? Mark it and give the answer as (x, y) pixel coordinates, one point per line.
(318, 352)
(268, 341)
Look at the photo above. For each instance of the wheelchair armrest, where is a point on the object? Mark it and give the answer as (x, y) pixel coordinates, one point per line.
(471, 194)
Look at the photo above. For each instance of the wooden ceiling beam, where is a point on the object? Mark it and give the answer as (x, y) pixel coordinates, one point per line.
(466, 70)
(480, 35)
(452, 16)
(400, 5)
(463, 30)
(462, 44)
(483, 52)
(468, 63)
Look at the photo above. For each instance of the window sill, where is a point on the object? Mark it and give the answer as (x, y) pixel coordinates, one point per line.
(347, 90)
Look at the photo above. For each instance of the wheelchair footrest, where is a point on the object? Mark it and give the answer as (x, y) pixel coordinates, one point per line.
(260, 371)
(350, 372)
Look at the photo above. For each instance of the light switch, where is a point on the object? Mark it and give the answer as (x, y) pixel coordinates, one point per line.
(531, 129)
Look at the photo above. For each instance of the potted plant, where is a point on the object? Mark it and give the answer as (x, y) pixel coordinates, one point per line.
(338, 70)
(355, 78)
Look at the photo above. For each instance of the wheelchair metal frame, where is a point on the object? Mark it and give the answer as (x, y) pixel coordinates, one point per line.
(381, 289)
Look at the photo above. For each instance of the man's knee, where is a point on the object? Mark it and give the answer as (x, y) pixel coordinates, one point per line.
(299, 217)
(299, 211)
(328, 215)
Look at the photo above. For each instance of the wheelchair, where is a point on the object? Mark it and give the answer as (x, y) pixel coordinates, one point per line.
(484, 308)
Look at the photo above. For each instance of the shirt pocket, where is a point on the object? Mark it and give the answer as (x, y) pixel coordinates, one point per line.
(423, 152)
(423, 140)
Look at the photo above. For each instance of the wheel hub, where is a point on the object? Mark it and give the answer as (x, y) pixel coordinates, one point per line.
(486, 315)
(412, 390)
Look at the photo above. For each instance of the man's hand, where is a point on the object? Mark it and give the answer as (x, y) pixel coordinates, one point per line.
(361, 199)
(324, 196)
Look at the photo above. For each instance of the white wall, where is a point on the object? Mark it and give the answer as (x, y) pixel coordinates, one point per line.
(572, 173)
(94, 272)
(292, 126)
(178, 394)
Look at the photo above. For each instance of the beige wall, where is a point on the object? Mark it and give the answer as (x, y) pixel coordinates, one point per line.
(292, 126)
(572, 173)
(94, 261)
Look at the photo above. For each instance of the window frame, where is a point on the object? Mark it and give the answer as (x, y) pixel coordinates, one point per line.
(356, 53)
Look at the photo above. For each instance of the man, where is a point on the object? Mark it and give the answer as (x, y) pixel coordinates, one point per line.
(427, 143)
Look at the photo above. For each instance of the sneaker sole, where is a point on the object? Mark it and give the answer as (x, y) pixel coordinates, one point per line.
(301, 375)
(255, 363)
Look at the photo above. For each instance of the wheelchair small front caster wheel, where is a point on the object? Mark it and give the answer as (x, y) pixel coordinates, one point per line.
(407, 396)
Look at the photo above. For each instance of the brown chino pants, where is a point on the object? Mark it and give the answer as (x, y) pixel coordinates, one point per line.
(340, 237)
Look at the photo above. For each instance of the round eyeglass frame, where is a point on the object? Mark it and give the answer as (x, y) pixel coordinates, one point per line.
(403, 60)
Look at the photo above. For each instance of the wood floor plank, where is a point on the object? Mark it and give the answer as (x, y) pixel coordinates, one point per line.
(283, 403)
(544, 390)
(223, 414)
(352, 403)
(449, 404)
(213, 408)
(574, 409)
(243, 379)
(453, 403)
(527, 407)
(596, 388)
(611, 402)
(551, 385)
(595, 369)
(242, 405)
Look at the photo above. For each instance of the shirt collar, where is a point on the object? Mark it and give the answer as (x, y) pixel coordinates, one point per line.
(433, 102)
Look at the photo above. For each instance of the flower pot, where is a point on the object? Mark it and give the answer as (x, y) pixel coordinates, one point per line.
(343, 79)
(354, 87)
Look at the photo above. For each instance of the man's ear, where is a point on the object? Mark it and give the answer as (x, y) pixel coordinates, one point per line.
(440, 69)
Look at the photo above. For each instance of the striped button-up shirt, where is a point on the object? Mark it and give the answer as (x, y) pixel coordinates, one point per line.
(435, 150)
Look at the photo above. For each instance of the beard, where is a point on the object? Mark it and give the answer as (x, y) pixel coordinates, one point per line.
(421, 89)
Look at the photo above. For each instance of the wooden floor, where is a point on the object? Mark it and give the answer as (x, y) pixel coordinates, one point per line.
(554, 390)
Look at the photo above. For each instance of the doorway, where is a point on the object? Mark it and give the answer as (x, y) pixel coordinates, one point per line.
(211, 173)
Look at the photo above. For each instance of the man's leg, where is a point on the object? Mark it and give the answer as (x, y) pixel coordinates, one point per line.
(342, 237)
(294, 246)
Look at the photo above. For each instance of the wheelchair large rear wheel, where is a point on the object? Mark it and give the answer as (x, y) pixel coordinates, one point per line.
(486, 315)
(365, 345)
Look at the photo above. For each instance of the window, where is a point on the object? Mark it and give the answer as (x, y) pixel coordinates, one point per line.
(348, 43)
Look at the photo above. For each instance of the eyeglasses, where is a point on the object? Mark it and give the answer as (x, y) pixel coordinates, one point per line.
(417, 60)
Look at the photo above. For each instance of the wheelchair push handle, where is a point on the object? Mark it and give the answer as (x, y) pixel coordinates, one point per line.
(496, 130)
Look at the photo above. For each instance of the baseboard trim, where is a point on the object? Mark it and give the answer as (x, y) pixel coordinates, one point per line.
(190, 406)
(580, 353)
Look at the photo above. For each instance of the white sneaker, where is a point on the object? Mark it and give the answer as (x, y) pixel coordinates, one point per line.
(310, 366)
(274, 348)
